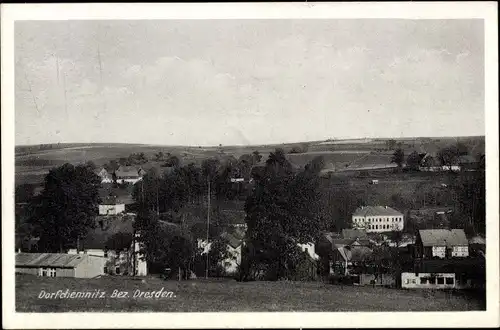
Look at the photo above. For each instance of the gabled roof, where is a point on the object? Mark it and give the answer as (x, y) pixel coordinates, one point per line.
(443, 237)
(353, 233)
(477, 240)
(370, 211)
(97, 238)
(128, 172)
(60, 260)
(355, 253)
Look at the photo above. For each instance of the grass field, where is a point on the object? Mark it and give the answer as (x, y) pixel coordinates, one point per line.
(230, 296)
(33, 163)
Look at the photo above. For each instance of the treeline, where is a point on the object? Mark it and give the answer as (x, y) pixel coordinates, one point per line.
(162, 190)
(283, 209)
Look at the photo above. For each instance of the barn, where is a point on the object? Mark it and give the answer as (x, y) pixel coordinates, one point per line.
(60, 265)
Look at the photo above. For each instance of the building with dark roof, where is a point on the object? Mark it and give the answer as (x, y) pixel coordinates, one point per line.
(113, 238)
(377, 219)
(130, 174)
(441, 243)
(60, 265)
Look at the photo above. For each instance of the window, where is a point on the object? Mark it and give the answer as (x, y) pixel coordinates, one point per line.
(117, 270)
(440, 280)
(424, 280)
(450, 280)
(106, 254)
(48, 272)
(105, 270)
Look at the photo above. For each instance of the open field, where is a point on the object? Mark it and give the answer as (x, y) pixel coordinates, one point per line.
(33, 162)
(231, 296)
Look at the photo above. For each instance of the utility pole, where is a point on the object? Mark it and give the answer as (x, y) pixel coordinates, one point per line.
(157, 199)
(208, 224)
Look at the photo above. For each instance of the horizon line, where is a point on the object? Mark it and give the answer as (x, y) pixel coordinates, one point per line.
(257, 144)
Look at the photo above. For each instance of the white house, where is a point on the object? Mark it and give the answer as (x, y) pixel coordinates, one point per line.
(104, 175)
(310, 249)
(442, 243)
(377, 219)
(111, 206)
(59, 265)
(234, 243)
(115, 239)
(129, 174)
(428, 280)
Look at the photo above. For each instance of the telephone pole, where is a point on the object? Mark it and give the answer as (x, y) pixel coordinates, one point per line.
(208, 225)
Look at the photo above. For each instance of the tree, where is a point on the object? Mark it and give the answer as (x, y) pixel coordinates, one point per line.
(391, 144)
(159, 156)
(398, 157)
(67, 206)
(282, 211)
(257, 157)
(448, 155)
(172, 161)
(413, 161)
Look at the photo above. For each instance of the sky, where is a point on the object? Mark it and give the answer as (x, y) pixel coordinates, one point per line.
(237, 82)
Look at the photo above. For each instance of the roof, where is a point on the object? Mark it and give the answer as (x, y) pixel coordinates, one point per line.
(467, 159)
(128, 172)
(355, 253)
(366, 211)
(353, 233)
(121, 196)
(60, 260)
(98, 237)
(477, 240)
(443, 237)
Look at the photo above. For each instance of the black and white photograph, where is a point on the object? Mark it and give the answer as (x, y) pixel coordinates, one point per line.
(251, 164)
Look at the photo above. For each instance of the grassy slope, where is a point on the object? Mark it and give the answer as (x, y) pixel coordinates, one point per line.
(212, 295)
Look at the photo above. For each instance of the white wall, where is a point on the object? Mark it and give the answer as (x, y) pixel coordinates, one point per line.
(439, 251)
(309, 248)
(412, 281)
(111, 209)
(379, 223)
(460, 251)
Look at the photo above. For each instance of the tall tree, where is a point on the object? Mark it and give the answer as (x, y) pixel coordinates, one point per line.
(282, 212)
(67, 206)
(413, 161)
(398, 157)
(448, 155)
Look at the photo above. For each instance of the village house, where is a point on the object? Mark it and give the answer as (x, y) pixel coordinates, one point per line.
(340, 255)
(60, 265)
(233, 237)
(115, 239)
(111, 205)
(105, 176)
(377, 219)
(129, 174)
(441, 243)
(457, 273)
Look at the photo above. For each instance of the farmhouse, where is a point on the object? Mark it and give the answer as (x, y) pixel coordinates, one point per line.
(341, 255)
(114, 238)
(441, 243)
(105, 176)
(129, 174)
(60, 265)
(234, 243)
(377, 219)
(110, 205)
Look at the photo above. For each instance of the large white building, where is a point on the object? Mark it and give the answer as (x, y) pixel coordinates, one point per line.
(377, 219)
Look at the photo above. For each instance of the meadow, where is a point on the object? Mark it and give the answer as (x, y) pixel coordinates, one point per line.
(32, 163)
(230, 296)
